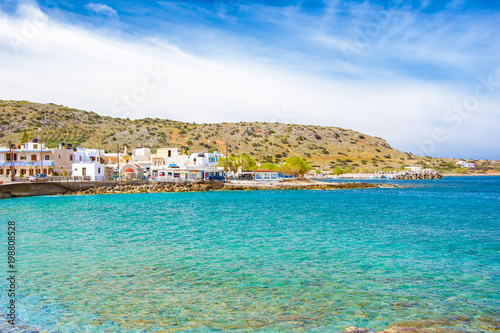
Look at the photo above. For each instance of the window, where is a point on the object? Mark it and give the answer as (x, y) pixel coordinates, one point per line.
(47, 157)
(98, 170)
(13, 155)
(35, 146)
(33, 157)
(84, 171)
(71, 157)
(59, 157)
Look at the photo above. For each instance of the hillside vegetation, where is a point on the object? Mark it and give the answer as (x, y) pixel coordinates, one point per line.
(323, 147)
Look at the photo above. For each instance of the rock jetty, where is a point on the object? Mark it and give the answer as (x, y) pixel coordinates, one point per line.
(151, 188)
(298, 185)
(208, 186)
(420, 174)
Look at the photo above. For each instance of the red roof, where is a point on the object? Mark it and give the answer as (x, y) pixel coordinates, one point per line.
(129, 170)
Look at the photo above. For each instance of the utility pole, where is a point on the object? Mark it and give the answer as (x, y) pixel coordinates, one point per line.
(41, 156)
(99, 148)
(227, 156)
(118, 156)
(12, 168)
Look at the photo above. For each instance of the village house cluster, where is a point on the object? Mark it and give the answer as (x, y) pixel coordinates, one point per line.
(33, 158)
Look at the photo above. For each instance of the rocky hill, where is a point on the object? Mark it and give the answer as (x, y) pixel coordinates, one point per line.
(324, 147)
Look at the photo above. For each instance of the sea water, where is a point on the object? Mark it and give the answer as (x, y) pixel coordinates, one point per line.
(259, 261)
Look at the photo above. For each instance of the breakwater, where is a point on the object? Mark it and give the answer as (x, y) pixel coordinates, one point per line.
(420, 174)
(208, 186)
(150, 188)
(12, 190)
(310, 185)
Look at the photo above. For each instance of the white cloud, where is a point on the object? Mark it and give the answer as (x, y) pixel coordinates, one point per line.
(100, 8)
(67, 65)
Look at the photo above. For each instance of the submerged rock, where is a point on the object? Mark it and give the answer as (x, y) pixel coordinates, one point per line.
(353, 329)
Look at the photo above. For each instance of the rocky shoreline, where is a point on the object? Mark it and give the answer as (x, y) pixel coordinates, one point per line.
(302, 185)
(210, 186)
(150, 188)
(448, 324)
(452, 324)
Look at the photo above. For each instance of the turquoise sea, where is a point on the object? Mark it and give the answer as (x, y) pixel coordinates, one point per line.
(260, 261)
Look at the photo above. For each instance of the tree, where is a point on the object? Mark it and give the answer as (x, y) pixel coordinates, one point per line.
(25, 137)
(462, 170)
(295, 166)
(247, 163)
(337, 171)
(289, 169)
(232, 163)
(268, 166)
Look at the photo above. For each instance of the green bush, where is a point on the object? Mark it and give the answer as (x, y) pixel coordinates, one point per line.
(461, 170)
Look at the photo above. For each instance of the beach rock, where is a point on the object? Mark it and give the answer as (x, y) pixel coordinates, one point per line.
(353, 329)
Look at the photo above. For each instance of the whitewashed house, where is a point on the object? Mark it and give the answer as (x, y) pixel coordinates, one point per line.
(464, 164)
(89, 165)
(168, 165)
(167, 158)
(205, 159)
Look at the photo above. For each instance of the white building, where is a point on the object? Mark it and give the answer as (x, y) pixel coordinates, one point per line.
(142, 156)
(26, 159)
(413, 168)
(89, 171)
(167, 158)
(168, 164)
(83, 155)
(204, 159)
(89, 165)
(464, 164)
(261, 175)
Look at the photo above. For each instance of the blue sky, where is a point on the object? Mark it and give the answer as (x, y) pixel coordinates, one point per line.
(425, 74)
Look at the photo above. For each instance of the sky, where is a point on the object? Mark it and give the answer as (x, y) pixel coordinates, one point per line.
(424, 75)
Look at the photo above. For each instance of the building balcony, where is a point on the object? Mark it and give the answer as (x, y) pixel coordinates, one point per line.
(27, 163)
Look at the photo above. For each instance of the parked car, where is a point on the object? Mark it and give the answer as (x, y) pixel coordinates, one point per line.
(39, 177)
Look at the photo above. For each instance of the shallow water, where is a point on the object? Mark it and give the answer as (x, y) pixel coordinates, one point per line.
(266, 261)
